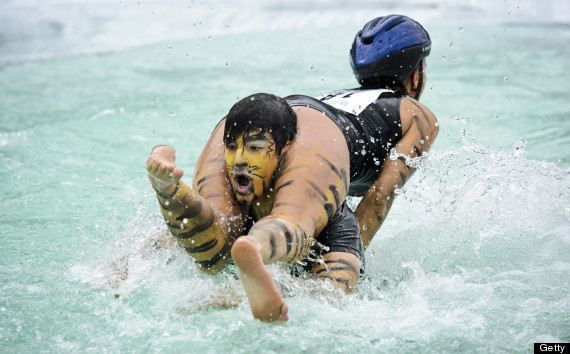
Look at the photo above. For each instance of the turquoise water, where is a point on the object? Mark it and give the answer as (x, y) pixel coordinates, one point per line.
(474, 257)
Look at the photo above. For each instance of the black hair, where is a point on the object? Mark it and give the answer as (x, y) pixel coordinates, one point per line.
(261, 112)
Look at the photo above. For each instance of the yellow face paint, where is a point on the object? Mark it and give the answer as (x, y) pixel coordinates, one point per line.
(251, 162)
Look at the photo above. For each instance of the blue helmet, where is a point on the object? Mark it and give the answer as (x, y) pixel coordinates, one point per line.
(388, 49)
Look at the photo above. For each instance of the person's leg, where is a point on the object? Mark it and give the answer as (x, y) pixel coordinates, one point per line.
(275, 238)
(343, 251)
(341, 269)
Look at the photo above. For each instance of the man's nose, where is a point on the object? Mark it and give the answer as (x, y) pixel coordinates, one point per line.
(239, 160)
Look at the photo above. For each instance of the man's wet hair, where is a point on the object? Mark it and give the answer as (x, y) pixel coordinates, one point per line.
(260, 113)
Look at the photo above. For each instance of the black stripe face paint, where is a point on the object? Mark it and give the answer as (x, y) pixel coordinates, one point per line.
(252, 163)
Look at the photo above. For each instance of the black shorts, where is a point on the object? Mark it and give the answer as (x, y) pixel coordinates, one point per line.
(342, 234)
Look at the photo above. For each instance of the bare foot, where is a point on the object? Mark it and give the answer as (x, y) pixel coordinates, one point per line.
(264, 298)
(162, 171)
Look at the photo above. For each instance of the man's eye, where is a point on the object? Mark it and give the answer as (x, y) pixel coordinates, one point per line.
(255, 148)
(231, 147)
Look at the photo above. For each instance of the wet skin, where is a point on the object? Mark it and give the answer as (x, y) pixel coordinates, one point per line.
(309, 183)
(307, 187)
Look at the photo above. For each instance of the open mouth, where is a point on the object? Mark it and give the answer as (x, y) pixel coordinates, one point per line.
(242, 184)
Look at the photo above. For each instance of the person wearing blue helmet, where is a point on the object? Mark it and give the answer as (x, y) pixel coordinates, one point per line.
(387, 51)
(383, 116)
(271, 183)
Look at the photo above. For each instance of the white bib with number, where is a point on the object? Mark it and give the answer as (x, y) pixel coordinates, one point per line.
(352, 101)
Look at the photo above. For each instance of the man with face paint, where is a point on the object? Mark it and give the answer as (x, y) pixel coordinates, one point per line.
(289, 164)
(258, 167)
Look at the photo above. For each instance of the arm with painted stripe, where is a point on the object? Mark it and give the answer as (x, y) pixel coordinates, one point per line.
(190, 218)
(419, 130)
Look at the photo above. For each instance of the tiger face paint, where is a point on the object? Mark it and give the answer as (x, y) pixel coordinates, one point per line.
(251, 161)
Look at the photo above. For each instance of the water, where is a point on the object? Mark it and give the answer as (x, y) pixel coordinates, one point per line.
(474, 256)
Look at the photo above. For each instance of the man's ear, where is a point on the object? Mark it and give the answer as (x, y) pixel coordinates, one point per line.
(286, 147)
(416, 80)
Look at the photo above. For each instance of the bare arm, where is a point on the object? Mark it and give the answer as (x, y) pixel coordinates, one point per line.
(419, 130)
(205, 220)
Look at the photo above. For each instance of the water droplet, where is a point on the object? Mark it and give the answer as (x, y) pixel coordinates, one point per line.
(363, 152)
(185, 221)
(167, 203)
(169, 46)
(154, 133)
(172, 112)
(461, 29)
(496, 116)
(506, 78)
(451, 44)
(169, 213)
(365, 227)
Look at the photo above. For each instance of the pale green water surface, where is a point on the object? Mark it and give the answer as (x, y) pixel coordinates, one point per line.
(474, 257)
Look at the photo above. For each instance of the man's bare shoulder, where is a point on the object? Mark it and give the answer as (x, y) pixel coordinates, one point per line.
(414, 112)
